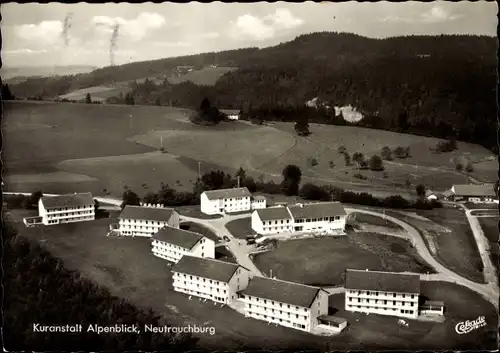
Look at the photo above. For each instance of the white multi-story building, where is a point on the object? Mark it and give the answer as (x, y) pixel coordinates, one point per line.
(272, 220)
(232, 114)
(225, 201)
(146, 221)
(172, 243)
(315, 217)
(318, 217)
(211, 279)
(66, 208)
(284, 303)
(258, 202)
(384, 293)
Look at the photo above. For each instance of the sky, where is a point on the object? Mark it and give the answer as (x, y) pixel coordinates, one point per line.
(58, 34)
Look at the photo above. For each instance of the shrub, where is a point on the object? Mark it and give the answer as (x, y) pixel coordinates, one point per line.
(360, 176)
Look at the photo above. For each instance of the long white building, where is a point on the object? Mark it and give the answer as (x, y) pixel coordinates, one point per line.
(319, 216)
(172, 243)
(211, 279)
(484, 193)
(66, 208)
(384, 293)
(225, 201)
(272, 220)
(146, 221)
(284, 303)
(315, 217)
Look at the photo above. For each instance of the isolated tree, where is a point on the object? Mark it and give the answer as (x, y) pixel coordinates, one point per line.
(376, 163)
(205, 105)
(241, 174)
(399, 152)
(129, 99)
(314, 162)
(469, 168)
(342, 149)
(347, 159)
(420, 189)
(408, 183)
(386, 153)
(331, 164)
(302, 127)
(459, 167)
(88, 98)
(292, 176)
(357, 157)
(34, 198)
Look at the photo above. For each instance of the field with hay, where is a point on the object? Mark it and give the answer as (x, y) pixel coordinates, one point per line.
(103, 148)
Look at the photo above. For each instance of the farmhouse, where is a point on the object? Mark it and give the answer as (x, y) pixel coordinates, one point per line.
(232, 114)
(321, 216)
(66, 208)
(384, 293)
(484, 193)
(258, 202)
(225, 200)
(171, 244)
(146, 221)
(272, 220)
(211, 279)
(284, 303)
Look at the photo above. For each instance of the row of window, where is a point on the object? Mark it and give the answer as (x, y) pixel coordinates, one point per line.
(280, 312)
(272, 229)
(201, 294)
(69, 208)
(68, 214)
(127, 232)
(367, 308)
(202, 280)
(282, 321)
(276, 222)
(380, 301)
(272, 302)
(154, 223)
(206, 288)
(74, 219)
(373, 293)
(322, 219)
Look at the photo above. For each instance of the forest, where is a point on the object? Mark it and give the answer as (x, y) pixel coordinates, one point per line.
(440, 86)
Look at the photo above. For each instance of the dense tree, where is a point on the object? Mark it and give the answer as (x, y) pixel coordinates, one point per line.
(331, 164)
(420, 189)
(6, 93)
(33, 199)
(401, 152)
(347, 159)
(386, 153)
(376, 163)
(342, 149)
(130, 198)
(88, 99)
(292, 176)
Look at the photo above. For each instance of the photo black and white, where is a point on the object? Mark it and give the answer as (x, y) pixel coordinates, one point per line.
(317, 176)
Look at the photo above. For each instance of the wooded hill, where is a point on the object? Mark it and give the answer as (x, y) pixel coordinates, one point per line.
(442, 86)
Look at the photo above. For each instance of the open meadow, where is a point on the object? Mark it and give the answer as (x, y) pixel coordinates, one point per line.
(96, 145)
(128, 269)
(322, 261)
(491, 231)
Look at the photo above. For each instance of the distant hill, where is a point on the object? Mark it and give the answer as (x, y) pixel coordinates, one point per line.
(12, 75)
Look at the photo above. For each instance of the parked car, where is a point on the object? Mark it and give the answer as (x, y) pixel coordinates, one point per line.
(226, 238)
(250, 241)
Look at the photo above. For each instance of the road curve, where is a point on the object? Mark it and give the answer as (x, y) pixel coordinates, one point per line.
(489, 290)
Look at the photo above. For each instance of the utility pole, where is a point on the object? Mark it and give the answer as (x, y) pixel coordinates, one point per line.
(199, 170)
(238, 181)
(161, 141)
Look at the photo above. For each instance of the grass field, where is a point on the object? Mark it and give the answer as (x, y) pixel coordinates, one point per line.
(240, 228)
(127, 268)
(194, 211)
(456, 248)
(322, 261)
(207, 76)
(373, 330)
(98, 93)
(41, 139)
(198, 228)
(490, 229)
(356, 217)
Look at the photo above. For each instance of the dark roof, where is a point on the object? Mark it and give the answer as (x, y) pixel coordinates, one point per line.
(447, 193)
(70, 200)
(382, 281)
(230, 111)
(273, 213)
(147, 213)
(259, 197)
(281, 291)
(317, 210)
(206, 268)
(227, 193)
(331, 318)
(432, 303)
(179, 237)
(474, 190)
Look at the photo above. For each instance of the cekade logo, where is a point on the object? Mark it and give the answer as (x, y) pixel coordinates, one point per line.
(468, 326)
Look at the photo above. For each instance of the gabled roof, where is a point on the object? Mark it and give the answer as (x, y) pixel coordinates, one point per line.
(431, 303)
(281, 291)
(230, 111)
(317, 210)
(474, 190)
(70, 200)
(259, 197)
(178, 237)
(160, 214)
(382, 281)
(227, 193)
(206, 268)
(273, 213)
(447, 193)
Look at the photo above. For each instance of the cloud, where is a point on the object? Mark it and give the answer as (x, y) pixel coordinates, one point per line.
(172, 44)
(136, 29)
(24, 51)
(435, 14)
(251, 27)
(45, 31)
(210, 35)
